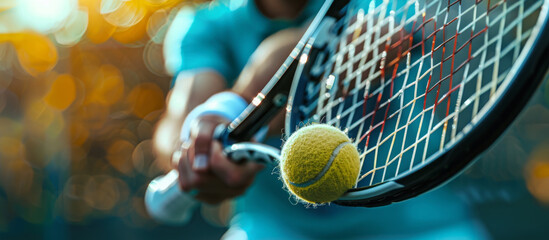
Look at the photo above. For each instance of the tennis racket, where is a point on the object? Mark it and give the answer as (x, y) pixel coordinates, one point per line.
(421, 86)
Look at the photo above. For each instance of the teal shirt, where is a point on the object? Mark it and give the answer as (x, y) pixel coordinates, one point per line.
(222, 37)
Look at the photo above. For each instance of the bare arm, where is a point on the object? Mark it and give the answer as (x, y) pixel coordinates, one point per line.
(263, 64)
(190, 90)
(216, 179)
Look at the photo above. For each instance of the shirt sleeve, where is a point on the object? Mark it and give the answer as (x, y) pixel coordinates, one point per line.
(195, 41)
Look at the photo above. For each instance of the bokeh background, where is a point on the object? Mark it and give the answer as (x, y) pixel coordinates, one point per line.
(82, 85)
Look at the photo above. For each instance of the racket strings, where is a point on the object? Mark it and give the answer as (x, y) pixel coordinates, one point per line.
(405, 80)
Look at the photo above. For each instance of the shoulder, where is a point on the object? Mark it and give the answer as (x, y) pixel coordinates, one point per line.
(193, 29)
(215, 13)
(206, 22)
(205, 16)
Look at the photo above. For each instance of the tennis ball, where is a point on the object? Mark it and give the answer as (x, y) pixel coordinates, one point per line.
(319, 163)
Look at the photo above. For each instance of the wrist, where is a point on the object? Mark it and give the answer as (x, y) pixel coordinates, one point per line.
(221, 108)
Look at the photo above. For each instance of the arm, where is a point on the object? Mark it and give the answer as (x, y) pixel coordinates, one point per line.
(190, 89)
(203, 168)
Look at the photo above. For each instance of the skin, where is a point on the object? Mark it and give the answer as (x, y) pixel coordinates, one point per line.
(202, 166)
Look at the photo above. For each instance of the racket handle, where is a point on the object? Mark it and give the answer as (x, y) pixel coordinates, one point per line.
(165, 201)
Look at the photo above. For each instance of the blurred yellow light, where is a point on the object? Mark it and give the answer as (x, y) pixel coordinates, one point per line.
(145, 129)
(10, 128)
(143, 158)
(74, 187)
(145, 98)
(123, 189)
(62, 92)
(154, 116)
(154, 59)
(157, 25)
(37, 54)
(6, 60)
(156, 2)
(134, 33)
(108, 86)
(11, 148)
(101, 192)
(38, 117)
(541, 170)
(78, 134)
(119, 156)
(99, 30)
(537, 173)
(109, 6)
(78, 160)
(127, 15)
(94, 115)
(73, 204)
(74, 28)
(127, 133)
(17, 180)
(85, 66)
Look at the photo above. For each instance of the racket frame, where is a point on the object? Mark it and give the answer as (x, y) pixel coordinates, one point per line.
(483, 131)
(286, 86)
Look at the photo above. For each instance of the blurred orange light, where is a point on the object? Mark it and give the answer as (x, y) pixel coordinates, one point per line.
(11, 148)
(537, 173)
(119, 156)
(143, 158)
(126, 15)
(157, 25)
(146, 98)
(108, 86)
(73, 204)
(101, 192)
(133, 33)
(38, 117)
(37, 54)
(79, 134)
(156, 2)
(94, 115)
(17, 180)
(11, 128)
(99, 30)
(62, 92)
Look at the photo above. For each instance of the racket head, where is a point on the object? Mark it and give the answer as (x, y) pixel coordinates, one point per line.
(422, 87)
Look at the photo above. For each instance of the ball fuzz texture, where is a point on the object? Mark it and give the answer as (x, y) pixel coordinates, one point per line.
(319, 163)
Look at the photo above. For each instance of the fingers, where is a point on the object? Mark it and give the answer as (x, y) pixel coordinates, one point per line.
(204, 169)
(224, 180)
(234, 175)
(202, 133)
(186, 174)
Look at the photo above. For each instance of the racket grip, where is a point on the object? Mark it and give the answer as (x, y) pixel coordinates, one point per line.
(166, 203)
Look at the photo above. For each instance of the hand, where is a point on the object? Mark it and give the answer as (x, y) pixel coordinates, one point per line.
(205, 171)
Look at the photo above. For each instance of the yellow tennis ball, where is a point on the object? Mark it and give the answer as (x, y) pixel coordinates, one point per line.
(319, 163)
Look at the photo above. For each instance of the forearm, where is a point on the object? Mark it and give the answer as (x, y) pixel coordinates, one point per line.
(265, 61)
(190, 90)
(262, 66)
